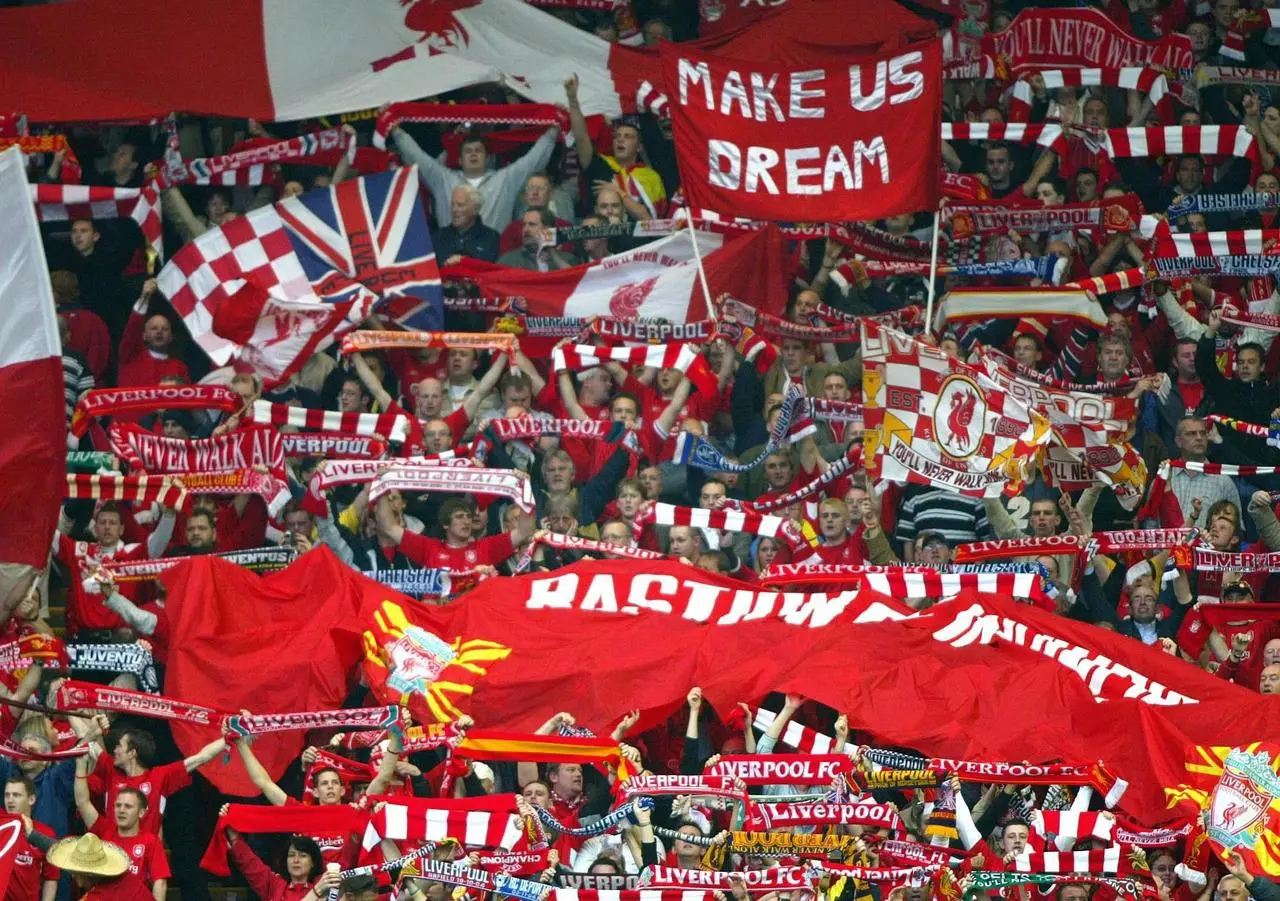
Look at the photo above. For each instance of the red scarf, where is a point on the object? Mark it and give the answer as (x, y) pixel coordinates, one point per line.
(253, 818)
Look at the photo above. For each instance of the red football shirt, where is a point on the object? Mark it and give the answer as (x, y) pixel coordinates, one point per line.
(127, 888)
(30, 869)
(147, 859)
(435, 554)
(846, 553)
(157, 783)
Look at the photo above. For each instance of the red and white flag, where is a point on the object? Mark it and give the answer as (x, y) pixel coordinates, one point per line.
(293, 59)
(32, 455)
(835, 138)
(933, 420)
(656, 281)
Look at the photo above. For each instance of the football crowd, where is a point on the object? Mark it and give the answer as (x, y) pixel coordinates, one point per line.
(580, 453)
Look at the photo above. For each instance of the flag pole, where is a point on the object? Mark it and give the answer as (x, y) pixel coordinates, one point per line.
(702, 273)
(933, 271)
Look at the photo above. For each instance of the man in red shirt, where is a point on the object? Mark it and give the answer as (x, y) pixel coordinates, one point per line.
(457, 551)
(838, 546)
(147, 858)
(101, 869)
(33, 877)
(128, 766)
(85, 609)
(430, 431)
(327, 790)
(145, 349)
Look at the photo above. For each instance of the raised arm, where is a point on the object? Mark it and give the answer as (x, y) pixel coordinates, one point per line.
(486, 385)
(162, 534)
(259, 777)
(84, 804)
(387, 768)
(666, 422)
(578, 124)
(370, 381)
(569, 396)
(205, 754)
(525, 365)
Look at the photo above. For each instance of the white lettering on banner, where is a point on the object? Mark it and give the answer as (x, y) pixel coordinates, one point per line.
(780, 771)
(975, 625)
(691, 600)
(801, 93)
(726, 169)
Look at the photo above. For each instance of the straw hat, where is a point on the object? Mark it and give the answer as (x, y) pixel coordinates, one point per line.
(89, 855)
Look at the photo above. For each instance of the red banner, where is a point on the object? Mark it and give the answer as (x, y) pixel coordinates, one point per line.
(1039, 39)
(239, 640)
(835, 140)
(967, 679)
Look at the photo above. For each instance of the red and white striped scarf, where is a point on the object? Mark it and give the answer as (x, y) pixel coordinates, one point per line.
(684, 357)
(969, 304)
(362, 340)
(1151, 82)
(578, 543)
(392, 426)
(795, 734)
(1118, 143)
(1235, 242)
(1222, 469)
(489, 821)
(1108, 861)
(438, 479)
(145, 490)
(470, 113)
(1046, 135)
(113, 401)
(1112, 282)
(250, 165)
(62, 203)
(1083, 825)
(761, 524)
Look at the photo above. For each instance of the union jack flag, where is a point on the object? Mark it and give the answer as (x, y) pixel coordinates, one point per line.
(275, 286)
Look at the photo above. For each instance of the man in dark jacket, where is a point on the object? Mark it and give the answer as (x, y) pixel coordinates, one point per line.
(465, 235)
(1247, 396)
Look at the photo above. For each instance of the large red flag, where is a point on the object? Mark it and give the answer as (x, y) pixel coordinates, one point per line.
(658, 280)
(837, 138)
(241, 640)
(33, 446)
(982, 678)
